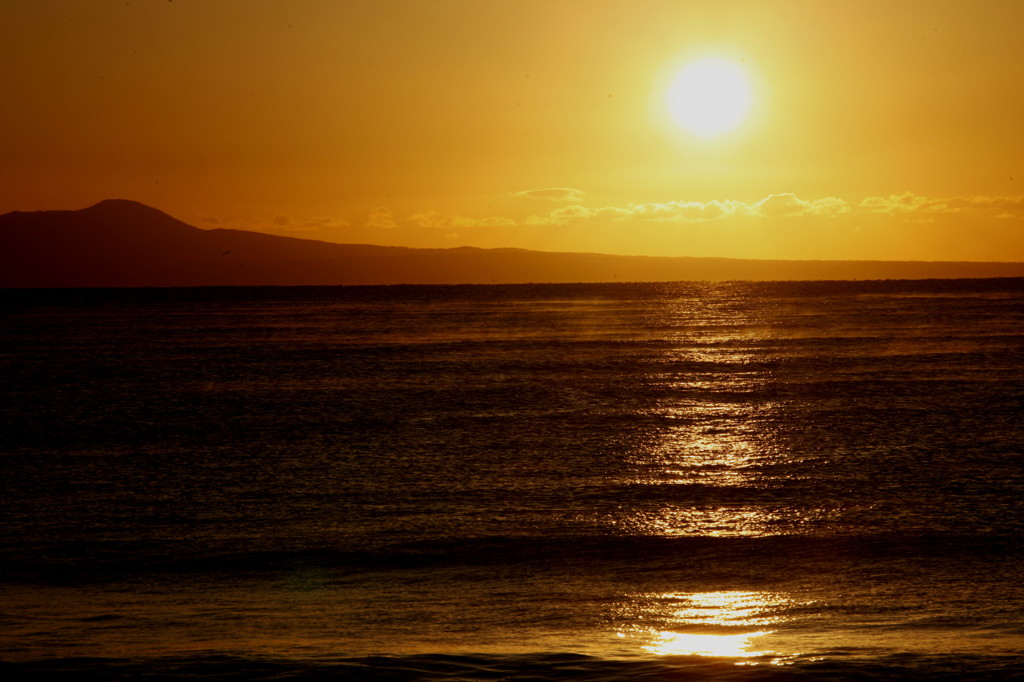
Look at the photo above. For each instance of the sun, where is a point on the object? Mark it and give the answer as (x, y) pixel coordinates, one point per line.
(709, 97)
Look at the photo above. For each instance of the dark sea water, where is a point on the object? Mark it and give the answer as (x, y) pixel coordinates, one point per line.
(780, 481)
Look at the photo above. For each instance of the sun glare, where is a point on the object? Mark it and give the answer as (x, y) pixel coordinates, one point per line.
(727, 646)
(709, 97)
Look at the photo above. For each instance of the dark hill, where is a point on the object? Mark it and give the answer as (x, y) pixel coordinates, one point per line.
(125, 243)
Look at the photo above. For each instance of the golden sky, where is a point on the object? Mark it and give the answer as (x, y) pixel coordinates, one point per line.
(876, 130)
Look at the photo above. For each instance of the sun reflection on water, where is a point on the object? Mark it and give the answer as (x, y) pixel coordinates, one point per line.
(705, 521)
(688, 644)
(713, 427)
(723, 454)
(723, 624)
(731, 608)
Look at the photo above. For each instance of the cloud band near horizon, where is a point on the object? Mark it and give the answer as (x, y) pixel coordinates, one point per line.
(907, 205)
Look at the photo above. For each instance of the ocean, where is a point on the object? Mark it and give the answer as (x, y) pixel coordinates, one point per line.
(665, 481)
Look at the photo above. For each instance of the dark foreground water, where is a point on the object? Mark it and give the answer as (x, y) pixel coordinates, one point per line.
(623, 481)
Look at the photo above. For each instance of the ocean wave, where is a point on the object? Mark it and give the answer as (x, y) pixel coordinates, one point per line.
(792, 555)
(838, 665)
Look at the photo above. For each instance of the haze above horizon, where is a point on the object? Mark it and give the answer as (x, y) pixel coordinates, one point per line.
(868, 130)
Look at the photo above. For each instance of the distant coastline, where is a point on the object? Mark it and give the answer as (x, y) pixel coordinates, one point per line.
(121, 243)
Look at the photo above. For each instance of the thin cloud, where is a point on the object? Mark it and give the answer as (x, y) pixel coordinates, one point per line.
(695, 211)
(282, 222)
(784, 205)
(560, 194)
(380, 218)
(576, 213)
(788, 204)
(687, 211)
(915, 206)
(443, 221)
(1005, 203)
(325, 222)
(908, 202)
(279, 223)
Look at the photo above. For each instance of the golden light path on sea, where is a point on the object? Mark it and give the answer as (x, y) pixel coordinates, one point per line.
(715, 435)
(714, 429)
(725, 624)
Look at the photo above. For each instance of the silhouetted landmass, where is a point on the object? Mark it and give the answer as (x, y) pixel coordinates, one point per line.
(119, 243)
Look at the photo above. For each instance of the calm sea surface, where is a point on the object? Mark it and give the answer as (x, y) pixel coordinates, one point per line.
(621, 481)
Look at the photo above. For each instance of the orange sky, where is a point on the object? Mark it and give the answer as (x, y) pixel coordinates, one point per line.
(879, 130)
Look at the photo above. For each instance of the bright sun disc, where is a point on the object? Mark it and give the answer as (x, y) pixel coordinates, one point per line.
(709, 97)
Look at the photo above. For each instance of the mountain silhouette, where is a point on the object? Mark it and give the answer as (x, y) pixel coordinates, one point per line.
(119, 243)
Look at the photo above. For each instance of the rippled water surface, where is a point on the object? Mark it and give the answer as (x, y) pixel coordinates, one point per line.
(556, 481)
